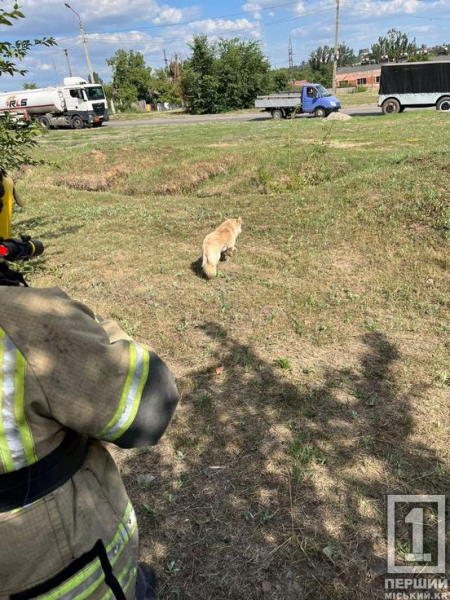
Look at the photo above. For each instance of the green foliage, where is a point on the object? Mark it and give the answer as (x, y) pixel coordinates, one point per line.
(280, 81)
(29, 86)
(324, 55)
(224, 75)
(10, 52)
(17, 137)
(394, 47)
(133, 81)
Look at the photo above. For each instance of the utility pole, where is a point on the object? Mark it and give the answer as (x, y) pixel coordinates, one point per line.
(291, 58)
(66, 52)
(83, 39)
(336, 48)
(176, 70)
(166, 61)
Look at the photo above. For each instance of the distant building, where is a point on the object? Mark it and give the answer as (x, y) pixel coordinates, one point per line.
(360, 75)
(366, 75)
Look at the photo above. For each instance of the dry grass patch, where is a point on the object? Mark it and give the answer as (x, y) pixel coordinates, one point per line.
(188, 177)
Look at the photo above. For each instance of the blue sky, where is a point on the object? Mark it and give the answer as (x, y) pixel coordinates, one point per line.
(151, 26)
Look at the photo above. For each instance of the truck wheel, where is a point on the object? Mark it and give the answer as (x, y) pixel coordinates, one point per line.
(277, 114)
(44, 122)
(391, 107)
(77, 122)
(320, 113)
(443, 104)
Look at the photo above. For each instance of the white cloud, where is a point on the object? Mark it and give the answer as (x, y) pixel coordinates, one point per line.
(169, 15)
(45, 67)
(299, 8)
(390, 7)
(257, 16)
(271, 14)
(211, 26)
(300, 31)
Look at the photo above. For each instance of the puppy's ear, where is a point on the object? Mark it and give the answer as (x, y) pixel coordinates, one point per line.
(240, 220)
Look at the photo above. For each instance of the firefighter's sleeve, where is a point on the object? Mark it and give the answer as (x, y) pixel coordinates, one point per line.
(101, 383)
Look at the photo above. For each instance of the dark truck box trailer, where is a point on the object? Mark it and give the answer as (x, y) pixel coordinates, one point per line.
(414, 84)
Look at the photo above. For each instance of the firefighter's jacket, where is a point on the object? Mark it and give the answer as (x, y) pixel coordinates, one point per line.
(63, 371)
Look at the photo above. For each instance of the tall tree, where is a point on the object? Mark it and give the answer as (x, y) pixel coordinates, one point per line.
(325, 54)
(29, 86)
(393, 47)
(224, 75)
(16, 139)
(132, 79)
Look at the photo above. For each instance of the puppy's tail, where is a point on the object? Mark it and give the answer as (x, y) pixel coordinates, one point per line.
(208, 266)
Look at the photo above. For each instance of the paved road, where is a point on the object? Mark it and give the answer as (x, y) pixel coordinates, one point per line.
(362, 111)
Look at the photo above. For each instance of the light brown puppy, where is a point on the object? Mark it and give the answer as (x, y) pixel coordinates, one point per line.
(223, 239)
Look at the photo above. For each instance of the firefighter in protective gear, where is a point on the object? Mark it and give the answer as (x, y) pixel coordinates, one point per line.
(68, 383)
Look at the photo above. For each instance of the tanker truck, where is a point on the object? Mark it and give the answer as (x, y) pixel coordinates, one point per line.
(75, 104)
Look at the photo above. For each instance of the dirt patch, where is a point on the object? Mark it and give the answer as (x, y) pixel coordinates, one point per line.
(92, 182)
(188, 179)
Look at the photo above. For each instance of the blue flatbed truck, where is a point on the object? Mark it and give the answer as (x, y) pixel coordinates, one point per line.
(313, 99)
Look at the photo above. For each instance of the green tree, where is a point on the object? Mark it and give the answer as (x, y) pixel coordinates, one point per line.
(29, 86)
(16, 139)
(280, 80)
(325, 54)
(97, 79)
(132, 80)
(394, 47)
(224, 75)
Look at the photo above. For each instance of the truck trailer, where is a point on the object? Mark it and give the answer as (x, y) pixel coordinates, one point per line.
(312, 99)
(409, 85)
(75, 104)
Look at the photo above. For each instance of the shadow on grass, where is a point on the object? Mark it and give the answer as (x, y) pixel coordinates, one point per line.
(265, 475)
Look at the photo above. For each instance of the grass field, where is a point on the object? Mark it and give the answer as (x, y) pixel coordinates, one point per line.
(360, 99)
(313, 371)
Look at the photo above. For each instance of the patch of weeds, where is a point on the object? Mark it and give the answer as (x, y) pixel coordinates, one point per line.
(283, 363)
(249, 516)
(184, 324)
(443, 378)
(129, 327)
(371, 325)
(299, 327)
(204, 403)
(245, 360)
(172, 567)
(267, 516)
(150, 511)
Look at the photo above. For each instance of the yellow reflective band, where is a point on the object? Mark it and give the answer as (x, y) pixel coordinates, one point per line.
(77, 581)
(5, 454)
(125, 414)
(19, 409)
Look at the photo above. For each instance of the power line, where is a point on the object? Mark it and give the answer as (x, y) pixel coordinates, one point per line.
(246, 12)
(216, 33)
